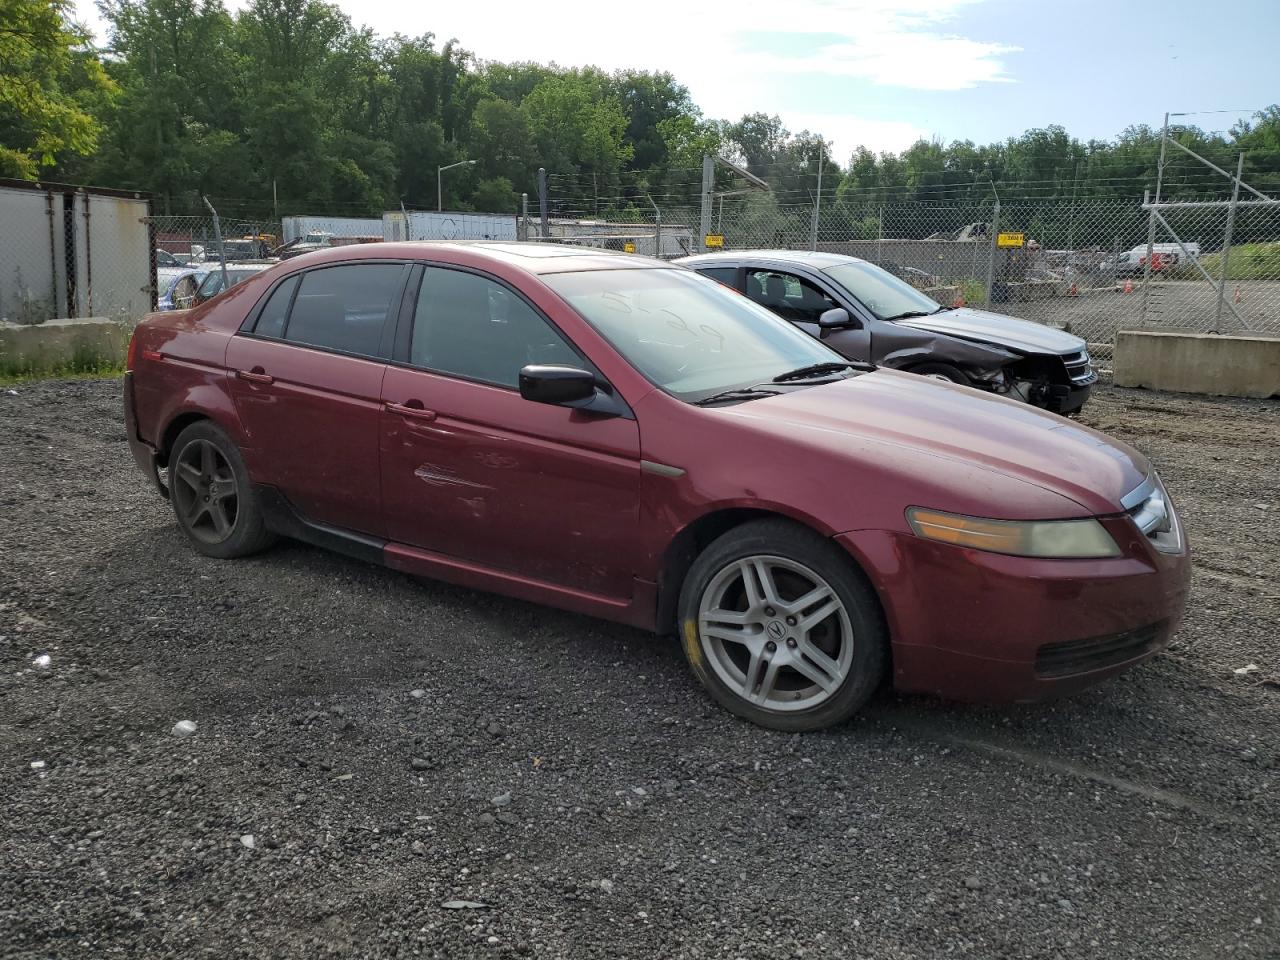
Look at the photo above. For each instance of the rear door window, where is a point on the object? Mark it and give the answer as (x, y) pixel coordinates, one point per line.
(346, 308)
(271, 319)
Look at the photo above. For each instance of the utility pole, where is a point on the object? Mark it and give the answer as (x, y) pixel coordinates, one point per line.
(542, 202)
(708, 183)
(817, 204)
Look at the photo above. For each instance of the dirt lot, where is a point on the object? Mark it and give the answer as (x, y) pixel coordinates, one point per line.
(568, 773)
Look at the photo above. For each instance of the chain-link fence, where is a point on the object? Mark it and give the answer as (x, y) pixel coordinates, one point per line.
(1089, 266)
(1092, 266)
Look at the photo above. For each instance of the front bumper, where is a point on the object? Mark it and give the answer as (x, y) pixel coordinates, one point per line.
(970, 625)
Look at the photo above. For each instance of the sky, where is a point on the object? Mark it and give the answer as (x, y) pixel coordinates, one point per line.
(883, 73)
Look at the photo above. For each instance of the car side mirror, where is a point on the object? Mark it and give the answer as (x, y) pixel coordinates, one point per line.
(556, 384)
(565, 386)
(835, 317)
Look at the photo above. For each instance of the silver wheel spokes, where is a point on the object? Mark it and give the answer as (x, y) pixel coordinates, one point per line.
(776, 633)
(203, 486)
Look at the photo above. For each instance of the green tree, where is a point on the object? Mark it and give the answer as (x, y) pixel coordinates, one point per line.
(47, 75)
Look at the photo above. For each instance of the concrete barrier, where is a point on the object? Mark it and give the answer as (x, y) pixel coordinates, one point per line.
(1230, 366)
(82, 342)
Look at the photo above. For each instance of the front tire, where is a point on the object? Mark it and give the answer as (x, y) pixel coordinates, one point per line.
(782, 628)
(212, 496)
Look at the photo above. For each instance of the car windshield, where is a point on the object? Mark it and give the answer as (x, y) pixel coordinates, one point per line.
(880, 291)
(691, 336)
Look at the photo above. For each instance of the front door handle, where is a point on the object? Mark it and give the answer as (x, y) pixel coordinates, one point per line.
(412, 412)
(256, 375)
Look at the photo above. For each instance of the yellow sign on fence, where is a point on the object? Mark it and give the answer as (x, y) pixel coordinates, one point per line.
(715, 240)
(629, 247)
(1011, 239)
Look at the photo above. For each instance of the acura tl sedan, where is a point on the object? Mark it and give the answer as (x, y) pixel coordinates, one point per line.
(867, 313)
(618, 437)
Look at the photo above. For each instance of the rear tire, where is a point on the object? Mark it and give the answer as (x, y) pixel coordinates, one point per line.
(943, 371)
(213, 498)
(782, 628)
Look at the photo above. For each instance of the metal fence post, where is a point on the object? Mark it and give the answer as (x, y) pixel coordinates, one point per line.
(991, 258)
(1151, 223)
(708, 182)
(1226, 240)
(524, 216)
(817, 203)
(542, 202)
(217, 238)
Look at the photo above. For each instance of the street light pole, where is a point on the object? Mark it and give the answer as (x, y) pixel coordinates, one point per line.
(440, 181)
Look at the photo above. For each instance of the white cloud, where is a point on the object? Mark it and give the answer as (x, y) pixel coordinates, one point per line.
(735, 59)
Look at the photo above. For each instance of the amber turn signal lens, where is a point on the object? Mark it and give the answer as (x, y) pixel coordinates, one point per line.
(1061, 539)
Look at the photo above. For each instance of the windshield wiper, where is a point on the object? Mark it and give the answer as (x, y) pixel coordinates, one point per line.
(908, 314)
(817, 369)
(743, 393)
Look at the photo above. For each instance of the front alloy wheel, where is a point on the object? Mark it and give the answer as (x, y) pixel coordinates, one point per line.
(775, 633)
(782, 627)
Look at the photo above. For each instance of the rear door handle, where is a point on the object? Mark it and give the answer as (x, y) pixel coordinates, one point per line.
(255, 376)
(413, 413)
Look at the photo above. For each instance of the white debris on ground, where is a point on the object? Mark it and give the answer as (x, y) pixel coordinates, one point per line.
(184, 728)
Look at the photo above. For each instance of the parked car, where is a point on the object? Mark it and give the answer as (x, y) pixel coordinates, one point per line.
(307, 243)
(216, 279)
(622, 438)
(166, 259)
(868, 314)
(244, 248)
(177, 286)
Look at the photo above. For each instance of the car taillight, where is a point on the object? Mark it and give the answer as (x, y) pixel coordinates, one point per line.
(132, 355)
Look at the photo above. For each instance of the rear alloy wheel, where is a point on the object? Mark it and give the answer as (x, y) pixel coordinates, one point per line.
(212, 496)
(782, 629)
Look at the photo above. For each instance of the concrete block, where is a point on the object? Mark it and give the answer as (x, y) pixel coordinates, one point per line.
(56, 343)
(1234, 366)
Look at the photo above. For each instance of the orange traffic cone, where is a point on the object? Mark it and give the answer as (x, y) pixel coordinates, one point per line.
(1128, 286)
(1239, 299)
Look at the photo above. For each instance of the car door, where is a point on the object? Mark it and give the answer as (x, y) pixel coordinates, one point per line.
(473, 471)
(306, 375)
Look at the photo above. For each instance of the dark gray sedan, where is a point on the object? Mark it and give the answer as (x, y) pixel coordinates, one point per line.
(868, 314)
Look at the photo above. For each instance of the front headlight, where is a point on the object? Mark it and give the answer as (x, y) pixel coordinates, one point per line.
(1059, 539)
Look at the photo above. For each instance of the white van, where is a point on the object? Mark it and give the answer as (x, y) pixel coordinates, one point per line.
(1131, 261)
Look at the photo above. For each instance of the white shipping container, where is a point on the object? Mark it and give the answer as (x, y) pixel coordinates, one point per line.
(428, 225)
(69, 251)
(294, 227)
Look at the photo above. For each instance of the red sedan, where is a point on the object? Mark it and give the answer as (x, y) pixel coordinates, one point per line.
(616, 436)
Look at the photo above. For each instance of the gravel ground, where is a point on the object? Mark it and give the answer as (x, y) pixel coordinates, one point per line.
(371, 748)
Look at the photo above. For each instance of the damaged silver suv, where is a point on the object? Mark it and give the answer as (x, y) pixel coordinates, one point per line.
(867, 313)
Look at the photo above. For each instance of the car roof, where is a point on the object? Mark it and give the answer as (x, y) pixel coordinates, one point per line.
(817, 259)
(538, 257)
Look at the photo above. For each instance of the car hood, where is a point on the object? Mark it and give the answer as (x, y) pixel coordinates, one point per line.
(1021, 335)
(923, 426)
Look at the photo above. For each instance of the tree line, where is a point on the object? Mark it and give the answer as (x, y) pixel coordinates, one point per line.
(287, 106)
